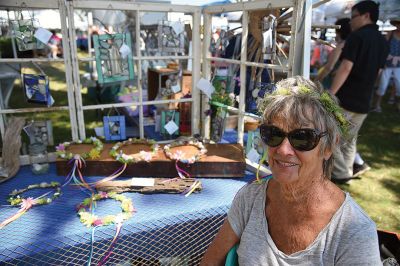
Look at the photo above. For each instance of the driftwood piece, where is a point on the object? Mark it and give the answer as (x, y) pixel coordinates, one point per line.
(11, 149)
(161, 185)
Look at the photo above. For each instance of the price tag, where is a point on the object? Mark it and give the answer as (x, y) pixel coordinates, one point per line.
(50, 101)
(176, 88)
(253, 156)
(142, 182)
(43, 35)
(124, 51)
(206, 87)
(178, 27)
(171, 127)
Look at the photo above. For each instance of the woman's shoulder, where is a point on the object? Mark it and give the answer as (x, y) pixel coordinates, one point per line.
(251, 191)
(355, 216)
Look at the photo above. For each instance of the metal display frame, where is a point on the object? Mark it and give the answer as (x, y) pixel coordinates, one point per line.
(298, 63)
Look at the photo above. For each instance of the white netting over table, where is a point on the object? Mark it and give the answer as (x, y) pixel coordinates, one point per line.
(167, 229)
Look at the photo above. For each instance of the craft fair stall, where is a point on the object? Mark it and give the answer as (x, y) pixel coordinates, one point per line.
(154, 195)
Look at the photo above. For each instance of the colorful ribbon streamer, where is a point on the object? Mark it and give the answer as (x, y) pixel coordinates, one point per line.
(182, 173)
(110, 248)
(113, 176)
(25, 206)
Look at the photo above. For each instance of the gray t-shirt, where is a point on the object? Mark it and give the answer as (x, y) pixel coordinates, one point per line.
(350, 238)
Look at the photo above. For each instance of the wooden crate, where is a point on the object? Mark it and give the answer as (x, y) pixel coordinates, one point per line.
(221, 160)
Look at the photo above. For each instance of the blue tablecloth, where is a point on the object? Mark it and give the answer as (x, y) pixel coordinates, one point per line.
(164, 225)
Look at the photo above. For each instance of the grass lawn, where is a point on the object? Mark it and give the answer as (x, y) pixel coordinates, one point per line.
(378, 191)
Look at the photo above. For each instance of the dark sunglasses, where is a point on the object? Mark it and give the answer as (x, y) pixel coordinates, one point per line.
(303, 139)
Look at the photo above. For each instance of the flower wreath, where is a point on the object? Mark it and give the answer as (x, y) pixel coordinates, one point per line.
(15, 198)
(94, 153)
(179, 155)
(90, 219)
(143, 155)
(325, 98)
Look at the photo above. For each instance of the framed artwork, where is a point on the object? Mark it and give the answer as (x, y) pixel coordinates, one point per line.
(269, 37)
(254, 141)
(114, 127)
(113, 57)
(166, 117)
(217, 123)
(24, 31)
(171, 37)
(36, 89)
(40, 132)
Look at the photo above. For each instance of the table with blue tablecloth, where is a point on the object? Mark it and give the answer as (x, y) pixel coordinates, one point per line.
(166, 228)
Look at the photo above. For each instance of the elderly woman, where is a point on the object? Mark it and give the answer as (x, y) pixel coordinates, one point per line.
(299, 217)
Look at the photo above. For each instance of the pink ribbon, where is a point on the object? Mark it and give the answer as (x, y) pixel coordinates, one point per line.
(25, 206)
(182, 173)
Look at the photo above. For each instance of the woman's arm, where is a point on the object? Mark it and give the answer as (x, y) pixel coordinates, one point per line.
(219, 248)
(332, 59)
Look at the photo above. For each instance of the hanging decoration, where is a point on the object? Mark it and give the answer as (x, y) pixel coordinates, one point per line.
(169, 123)
(85, 212)
(179, 156)
(24, 34)
(121, 157)
(27, 203)
(269, 37)
(219, 43)
(113, 57)
(36, 88)
(114, 127)
(171, 37)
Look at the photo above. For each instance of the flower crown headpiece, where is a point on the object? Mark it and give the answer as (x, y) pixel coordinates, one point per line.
(325, 98)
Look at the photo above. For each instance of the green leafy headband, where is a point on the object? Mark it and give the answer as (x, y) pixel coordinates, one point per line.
(325, 98)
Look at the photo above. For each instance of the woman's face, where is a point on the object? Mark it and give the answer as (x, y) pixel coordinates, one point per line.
(289, 165)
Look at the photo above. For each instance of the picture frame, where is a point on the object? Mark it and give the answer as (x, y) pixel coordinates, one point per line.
(113, 64)
(40, 132)
(36, 88)
(114, 127)
(167, 116)
(168, 39)
(24, 33)
(254, 141)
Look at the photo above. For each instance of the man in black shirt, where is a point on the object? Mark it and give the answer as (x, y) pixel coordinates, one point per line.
(363, 56)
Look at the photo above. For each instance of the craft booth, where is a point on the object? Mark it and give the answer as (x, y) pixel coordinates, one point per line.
(128, 127)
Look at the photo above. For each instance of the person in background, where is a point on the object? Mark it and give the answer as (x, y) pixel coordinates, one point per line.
(392, 67)
(327, 71)
(363, 56)
(298, 217)
(55, 45)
